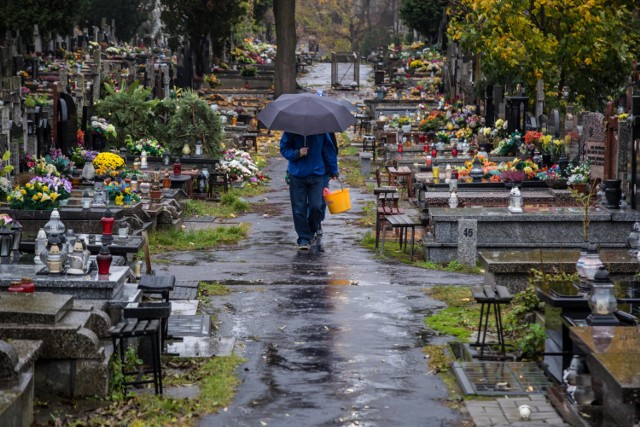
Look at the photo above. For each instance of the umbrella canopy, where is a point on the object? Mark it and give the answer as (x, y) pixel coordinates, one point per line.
(307, 114)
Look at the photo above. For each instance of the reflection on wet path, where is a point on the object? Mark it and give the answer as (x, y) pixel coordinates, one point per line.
(332, 338)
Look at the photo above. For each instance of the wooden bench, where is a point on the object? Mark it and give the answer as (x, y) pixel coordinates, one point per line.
(488, 297)
(404, 223)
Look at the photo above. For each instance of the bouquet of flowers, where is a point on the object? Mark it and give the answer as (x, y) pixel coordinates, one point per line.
(552, 146)
(100, 126)
(579, 173)
(39, 166)
(40, 193)
(81, 155)
(121, 193)
(108, 164)
(59, 160)
(150, 145)
(240, 167)
(553, 177)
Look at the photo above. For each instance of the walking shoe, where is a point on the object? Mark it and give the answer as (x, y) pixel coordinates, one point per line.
(303, 247)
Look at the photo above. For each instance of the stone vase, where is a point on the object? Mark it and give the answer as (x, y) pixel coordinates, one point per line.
(613, 193)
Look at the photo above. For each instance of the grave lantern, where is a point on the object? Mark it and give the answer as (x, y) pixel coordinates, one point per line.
(166, 158)
(515, 200)
(476, 171)
(17, 238)
(107, 221)
(198, 148)
(634, 239)
(54, 225)
(588, 265)
(86, 200)
(6, 244)
(602, 300)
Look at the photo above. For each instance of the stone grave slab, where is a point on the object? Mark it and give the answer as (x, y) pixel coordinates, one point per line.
(184, 326)
(37, 308)
(184, 307)
(202, 347)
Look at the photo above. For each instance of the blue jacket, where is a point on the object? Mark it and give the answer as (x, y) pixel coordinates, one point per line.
(321, 159)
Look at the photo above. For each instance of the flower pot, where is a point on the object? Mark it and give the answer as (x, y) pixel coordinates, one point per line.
(613, 193)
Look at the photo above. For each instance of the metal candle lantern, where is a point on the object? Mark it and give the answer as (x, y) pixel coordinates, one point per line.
(6, 244)
(476, 171)
(16, 227)
(166, 158)
(54, 225)
(198, 148)
(602, 301)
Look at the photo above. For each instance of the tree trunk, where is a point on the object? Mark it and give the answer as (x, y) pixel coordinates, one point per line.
(285, 72)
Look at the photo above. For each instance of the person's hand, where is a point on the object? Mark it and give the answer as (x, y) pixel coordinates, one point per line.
(335, 177)
(304, 151)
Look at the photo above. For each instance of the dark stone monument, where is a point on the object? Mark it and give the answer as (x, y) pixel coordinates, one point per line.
(516, 113)
(67, 122)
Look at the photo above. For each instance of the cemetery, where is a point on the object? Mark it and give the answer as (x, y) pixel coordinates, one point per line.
(106, 144)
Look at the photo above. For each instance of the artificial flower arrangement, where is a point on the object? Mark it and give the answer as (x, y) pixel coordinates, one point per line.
(579, 173)
(81, 155)
(553, 177)
(40, 193)
(108, 164)
(59, 160)
(554, 147)
(100, 126)
(39, 166)
(240, 167)
(121, 193)
(150, 145)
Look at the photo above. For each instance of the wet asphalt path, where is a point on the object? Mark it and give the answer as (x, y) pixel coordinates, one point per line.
(330, 338)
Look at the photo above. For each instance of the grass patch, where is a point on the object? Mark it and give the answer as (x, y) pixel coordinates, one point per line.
(191, 240)
(391, 248)
(230, 204)
(368, 219)
(453, 266)
(216, 378)
(210, 289)
(462, 315)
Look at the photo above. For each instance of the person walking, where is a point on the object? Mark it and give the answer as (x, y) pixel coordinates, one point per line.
(311, 158)
(325, 184)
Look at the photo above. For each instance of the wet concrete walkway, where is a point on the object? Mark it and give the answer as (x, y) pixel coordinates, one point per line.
(332, 338)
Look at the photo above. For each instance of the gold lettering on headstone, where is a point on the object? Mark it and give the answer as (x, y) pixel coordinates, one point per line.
(595, 153)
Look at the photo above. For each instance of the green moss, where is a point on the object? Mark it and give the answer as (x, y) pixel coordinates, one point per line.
(453, 266)
(191, 240)
(461, 316)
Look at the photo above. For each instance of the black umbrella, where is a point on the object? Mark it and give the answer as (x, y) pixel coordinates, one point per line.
(307, 114)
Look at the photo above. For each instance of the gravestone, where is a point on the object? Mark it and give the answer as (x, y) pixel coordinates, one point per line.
(530, 122)
(539, 97)
(498, 100)
(553, 123)
(624, 155)
(467, 241)
(593, 133)
(516, 113)
(489, 118)
(67, 122)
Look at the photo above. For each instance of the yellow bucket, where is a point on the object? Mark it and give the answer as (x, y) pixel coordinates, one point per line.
(338, 201)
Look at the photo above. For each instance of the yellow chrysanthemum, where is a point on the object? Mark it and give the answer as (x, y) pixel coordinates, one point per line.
(23, 191)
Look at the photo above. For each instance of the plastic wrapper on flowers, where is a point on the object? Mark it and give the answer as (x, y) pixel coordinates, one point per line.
(240, 167)
(40, 193)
